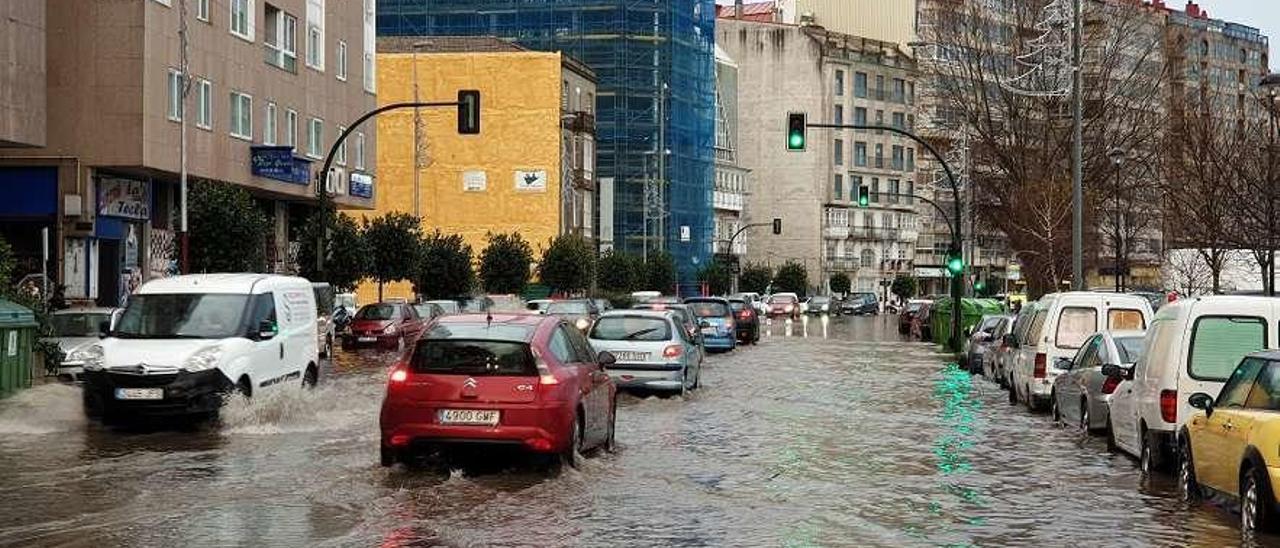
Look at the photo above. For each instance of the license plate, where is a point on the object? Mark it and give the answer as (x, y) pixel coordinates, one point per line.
(139, 393)
(632, 356)
(366, 339)
(469, 416)
(708, 331)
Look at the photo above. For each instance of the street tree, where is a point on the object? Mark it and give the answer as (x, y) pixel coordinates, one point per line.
(792, 278)
(660, 272)
(620, 272)
(755, 278)
(394, 242)
(718, 277)
(569, 264)
(444, 267)
(840, 283)
(1252, 165)
(226, 228)
(346, 256)
(904, 287)
(505, 264)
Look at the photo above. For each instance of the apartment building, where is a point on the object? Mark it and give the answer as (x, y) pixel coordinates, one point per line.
(732, 180)
(271, 84)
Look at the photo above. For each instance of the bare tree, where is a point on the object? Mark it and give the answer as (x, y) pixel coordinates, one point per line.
(1250, 161)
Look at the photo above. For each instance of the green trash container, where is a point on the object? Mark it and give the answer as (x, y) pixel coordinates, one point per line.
(971, 312)
(17, 337)
(940, 317)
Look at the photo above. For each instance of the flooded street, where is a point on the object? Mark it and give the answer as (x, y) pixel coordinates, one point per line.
(826, 434)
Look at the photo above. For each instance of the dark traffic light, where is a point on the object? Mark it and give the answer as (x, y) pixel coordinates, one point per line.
(864, 196)
(469, 112)
(777, 226)
(796, 122)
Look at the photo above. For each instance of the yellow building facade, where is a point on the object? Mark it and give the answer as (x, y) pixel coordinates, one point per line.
(506, 179)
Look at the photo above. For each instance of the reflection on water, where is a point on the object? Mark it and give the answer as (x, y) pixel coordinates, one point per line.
(832, 431)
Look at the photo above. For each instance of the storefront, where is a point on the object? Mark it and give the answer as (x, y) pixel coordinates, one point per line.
(28, 213)
(120, 230)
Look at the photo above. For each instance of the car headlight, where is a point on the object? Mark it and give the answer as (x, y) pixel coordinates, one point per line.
(826, 307)
(582, 324)
(390, 329)
(205, 358)
(91, 356)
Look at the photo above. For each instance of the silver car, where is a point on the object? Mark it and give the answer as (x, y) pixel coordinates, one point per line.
(1082, 394)
(980, 342)
(991, 366)
(74, 331)
(652, 348)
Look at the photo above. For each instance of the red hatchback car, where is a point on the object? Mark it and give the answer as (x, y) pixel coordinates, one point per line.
(385, 325)
(517, 380)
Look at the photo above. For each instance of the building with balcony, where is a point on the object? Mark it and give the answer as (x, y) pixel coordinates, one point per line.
(269, 86)
(531, 170)
(730, 194)
(837, 79)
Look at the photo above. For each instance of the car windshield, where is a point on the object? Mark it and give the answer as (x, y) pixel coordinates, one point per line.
(820, 300)
(737, 305)
(474, 358)
(785, 299)
(569, 307)
(78, 325)
(377, 312)
(707, 309)
(914, 307)
(183, 316)
(864, 298)
(631, 328)
(1130, 349)
(426, 310)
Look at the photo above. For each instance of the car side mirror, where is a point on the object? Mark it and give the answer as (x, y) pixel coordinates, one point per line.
(606, 359)
(1202, 401)
(1063, 363)
(266, 330)
(1116, 371)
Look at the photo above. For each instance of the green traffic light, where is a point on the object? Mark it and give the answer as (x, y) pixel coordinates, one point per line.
(796, 142)
(955, 264)
(863, 201)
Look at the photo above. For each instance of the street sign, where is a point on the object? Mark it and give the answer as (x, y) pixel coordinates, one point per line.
(685, 233)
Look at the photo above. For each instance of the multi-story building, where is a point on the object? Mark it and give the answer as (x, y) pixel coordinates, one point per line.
(732, 179)
(529, 171)
(884, 20)
(271, 85)
(655, 63)
(840, 79)
(22, 73)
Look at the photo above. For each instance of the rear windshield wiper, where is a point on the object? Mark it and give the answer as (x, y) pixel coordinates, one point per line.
(631, 336)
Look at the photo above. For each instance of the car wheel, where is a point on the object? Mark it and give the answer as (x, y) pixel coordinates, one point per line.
(684, 381)
(572, 456)
(1085, 421)
(1053, 408)
(1028, 400)
(1147, 459)
(311, 377)
(1188, 488)
(244, 387)
(1255, 511)
(388, 456)
(697, 378)
(610, 443)
(1111, 436)
(1013, 393)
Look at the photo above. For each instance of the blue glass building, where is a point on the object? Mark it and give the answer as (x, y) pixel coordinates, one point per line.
(655, 63)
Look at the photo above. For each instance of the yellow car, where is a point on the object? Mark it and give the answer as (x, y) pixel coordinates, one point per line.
(1232, 446)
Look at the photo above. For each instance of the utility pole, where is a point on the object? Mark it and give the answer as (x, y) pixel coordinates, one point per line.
(1077, 149)
(184, 67)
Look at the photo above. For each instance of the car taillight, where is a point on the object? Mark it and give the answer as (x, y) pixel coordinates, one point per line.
(673, 351)
(398, 375)
(744, 315)
(1169, 405)
(1109, 385)
(1041, 361)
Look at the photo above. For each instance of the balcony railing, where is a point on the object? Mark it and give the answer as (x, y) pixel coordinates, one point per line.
(580, 122)
(837, 232)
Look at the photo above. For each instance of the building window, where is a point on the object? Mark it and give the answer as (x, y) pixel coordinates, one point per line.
(315, 133)
(269, 126)
(342, 61)
(899, 90)
(897, 158)
(879, 121)
(839, 152)
(839, 187)
(875, 189)
(855, 186)
(879, 155)
(175, 95)
(281, 38)
(315, 48)
(860, 116)
(242, 18)
(879, 88)
(369, 45)
(359, 150)
(291, 128)
(911, 159)
(241, 116)
(911, 191)
(340, 157)
(868, 258)
(202, 10)
(899, 120)
(204, 104)
(860, 154)
(839, 83)
(839, 111)
(860, 84)
(911, 93)
(894, 189)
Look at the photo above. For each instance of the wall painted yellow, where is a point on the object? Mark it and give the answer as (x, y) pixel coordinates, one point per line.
(520, 131)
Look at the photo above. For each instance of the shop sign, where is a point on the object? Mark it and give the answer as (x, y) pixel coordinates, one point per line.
(361, 185)
(124, 198)
(531, 181)
(279, 163)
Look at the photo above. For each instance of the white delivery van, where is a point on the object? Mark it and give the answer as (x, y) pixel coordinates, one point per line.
(184, 343)
(1192, 346)
(1061, 325)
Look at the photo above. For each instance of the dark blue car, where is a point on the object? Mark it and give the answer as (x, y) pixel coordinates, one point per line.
(715, 318)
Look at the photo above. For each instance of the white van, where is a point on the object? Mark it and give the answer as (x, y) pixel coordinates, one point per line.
(184, 343)
(1062, 323)
(1192, 346)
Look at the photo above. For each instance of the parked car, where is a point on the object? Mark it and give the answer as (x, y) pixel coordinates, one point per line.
(495, 303)
(428, 311)
(686, 318)
(993, 356)
(184, 343)
(1228, 446)
(748, 319)
(716, 321)
(821, 304)
(921, 322)
(641, 297)
(980, 340)
(603, 305)
(384, 325)
(538, 305)
(580, 313)
(74, 331)
(784, 305)
(1082, 394)
(448, 306)
(1063, 322)
(861, 304)
(1193, 345)
(526, 381)
(1007, 356)
(325, 327)
(754, 300)
(651, 350)
(904, 319)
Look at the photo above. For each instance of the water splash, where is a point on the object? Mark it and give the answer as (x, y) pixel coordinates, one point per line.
(42, 410)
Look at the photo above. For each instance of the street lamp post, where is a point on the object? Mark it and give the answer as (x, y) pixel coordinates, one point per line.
(1117, 157)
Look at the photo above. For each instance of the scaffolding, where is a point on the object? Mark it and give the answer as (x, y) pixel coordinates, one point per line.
(655, 100)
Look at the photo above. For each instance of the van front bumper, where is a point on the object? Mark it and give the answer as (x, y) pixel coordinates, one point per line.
(182, 393)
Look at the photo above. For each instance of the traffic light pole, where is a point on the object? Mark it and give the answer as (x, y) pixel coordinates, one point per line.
(957, 237)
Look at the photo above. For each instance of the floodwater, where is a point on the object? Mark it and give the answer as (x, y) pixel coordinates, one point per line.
(829, 433)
